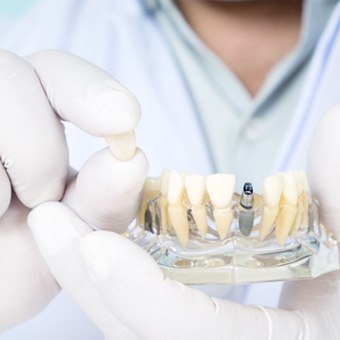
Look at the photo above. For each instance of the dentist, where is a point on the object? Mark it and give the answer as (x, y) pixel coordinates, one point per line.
(212, 101)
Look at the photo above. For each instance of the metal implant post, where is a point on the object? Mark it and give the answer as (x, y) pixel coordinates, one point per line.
(246, 216)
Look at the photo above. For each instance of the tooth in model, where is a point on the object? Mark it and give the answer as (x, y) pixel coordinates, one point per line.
(195, 187)
(220, 188)
(164, 200)
(288, 208)
(122, 145)
(271, 194)
(305, 199)
(176, 209)
(151, 189)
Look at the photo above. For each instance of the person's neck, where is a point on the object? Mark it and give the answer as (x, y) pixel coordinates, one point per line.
(250, 37)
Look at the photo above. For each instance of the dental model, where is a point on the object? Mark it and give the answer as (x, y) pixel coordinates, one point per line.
(282, 207)
(283, 204)
(200, 231)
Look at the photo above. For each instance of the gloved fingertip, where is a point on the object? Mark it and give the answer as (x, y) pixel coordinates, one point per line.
(55, 227)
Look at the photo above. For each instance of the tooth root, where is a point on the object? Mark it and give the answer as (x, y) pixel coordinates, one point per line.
(268, 218)
(123, 145)
(200, 216)
(223, 219)
(298, 219)
(179, 221)
(164, 213)
(305, 207)
(284, 223)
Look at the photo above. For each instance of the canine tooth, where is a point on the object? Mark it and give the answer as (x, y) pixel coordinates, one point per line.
(176, 209)
(220, 188)
(122, 145)
(223, 219)
(288, 208)
(195, 186)
(179, 221)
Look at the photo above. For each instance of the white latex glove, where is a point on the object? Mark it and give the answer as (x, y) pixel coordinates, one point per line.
(105, 271)
(34, 164)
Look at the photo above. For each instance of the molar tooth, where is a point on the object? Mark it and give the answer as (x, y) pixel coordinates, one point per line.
(271, 194)
(122, 145)
(288, 208)
(176, 209)
(150, 190)
(195, 186)
(220, 188)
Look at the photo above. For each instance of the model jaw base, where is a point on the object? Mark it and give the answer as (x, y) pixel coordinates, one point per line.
(227, 251)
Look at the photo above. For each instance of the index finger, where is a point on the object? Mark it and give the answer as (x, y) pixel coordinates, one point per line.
(89, 98)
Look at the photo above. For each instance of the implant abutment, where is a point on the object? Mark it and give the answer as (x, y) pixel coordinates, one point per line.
(246, 214)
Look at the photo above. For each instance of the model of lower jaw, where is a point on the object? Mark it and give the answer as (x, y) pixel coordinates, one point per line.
(285, 199)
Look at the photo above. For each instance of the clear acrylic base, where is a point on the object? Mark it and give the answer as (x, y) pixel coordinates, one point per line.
(237, 259)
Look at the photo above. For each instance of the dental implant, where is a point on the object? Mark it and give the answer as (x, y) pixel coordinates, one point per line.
(246, 211)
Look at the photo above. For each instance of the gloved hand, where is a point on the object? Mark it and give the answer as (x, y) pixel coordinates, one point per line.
(112, 278)
(34, 165)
